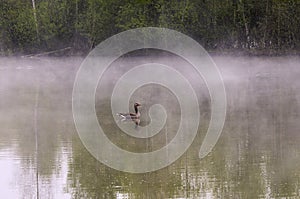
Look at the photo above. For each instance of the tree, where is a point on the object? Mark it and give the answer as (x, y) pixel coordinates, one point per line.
(17, 25)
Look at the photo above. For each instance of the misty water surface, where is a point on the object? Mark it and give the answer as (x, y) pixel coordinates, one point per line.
(257, 155)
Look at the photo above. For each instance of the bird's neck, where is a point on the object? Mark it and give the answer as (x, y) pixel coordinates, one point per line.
(136, 109)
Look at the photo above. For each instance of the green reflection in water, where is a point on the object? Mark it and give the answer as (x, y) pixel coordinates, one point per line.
(257, 156)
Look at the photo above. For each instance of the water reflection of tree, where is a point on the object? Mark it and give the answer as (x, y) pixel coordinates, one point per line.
(36, 140)
(267, 151)
(256, 156)
(93, 179)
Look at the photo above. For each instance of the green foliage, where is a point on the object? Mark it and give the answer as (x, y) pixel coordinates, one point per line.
(55, 22)
(135, 14)
(216, 24)
(17, 25)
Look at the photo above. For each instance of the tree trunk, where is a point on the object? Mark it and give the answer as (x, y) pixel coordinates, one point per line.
(245, 24)
(35, 21)
(278, 26)
(266, 25)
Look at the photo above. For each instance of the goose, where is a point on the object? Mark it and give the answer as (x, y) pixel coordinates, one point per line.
(132, 116)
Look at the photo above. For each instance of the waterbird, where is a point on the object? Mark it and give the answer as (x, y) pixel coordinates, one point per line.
(135, 117)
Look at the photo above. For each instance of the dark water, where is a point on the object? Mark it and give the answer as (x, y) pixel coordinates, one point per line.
(257, 155)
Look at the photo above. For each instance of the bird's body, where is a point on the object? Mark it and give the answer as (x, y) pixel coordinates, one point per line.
(128, 116)
(131, 116)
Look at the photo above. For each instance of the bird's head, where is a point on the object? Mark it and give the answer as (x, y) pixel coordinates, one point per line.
(137, 104)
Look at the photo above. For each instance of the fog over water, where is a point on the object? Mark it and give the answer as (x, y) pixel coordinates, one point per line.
(257, 155)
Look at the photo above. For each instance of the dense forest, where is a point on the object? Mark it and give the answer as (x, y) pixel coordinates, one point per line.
(33, 26)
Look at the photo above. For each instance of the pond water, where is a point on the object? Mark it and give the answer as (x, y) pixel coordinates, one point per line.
(256, 156)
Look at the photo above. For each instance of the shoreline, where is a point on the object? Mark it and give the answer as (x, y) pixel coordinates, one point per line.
(70, 52)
